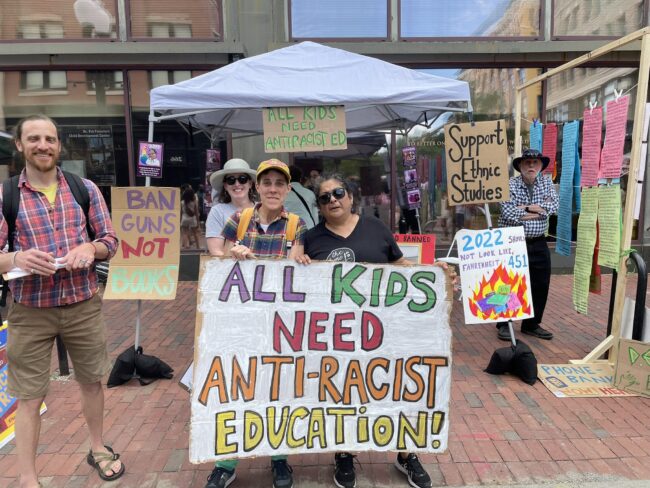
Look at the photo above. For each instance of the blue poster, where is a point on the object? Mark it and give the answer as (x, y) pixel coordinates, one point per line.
(565, 211)
(536, 136)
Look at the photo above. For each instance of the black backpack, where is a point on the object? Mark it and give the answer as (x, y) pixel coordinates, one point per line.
(11, 205)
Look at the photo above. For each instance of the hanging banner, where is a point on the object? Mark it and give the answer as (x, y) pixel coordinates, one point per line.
(322, 358)
(586, 241)
(494, 274)
(615, 123)
(536, 136)
(549, 146)
(591, 137)
(304, 129)
(477, 162)
(570, 162)
(147, 222)
(610, 225)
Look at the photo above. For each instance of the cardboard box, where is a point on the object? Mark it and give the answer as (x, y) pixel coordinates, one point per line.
(633, 367)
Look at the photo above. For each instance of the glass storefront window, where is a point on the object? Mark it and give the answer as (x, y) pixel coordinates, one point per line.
(600, 18)
(469, 18)
(63, 19)
(88, 106)
(191, 19)
(339, 19)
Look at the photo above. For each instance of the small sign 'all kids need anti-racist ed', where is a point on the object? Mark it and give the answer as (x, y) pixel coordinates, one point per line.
(477, 162)
(320, 358)
(300, 129)
(147, 222)
(494, 273)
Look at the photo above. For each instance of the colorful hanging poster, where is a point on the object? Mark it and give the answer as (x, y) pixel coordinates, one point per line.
(409, 156)
(586, 242)
(150, 158)
(549, 146)
(536, 136)
(611, 159)
(565, 210)
(494, 274)
(609, 223)
(591, 137)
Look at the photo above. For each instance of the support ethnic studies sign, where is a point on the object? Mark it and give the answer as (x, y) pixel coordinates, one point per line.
(320, 358)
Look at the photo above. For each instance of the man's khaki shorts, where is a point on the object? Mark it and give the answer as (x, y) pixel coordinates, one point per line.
(31, 335)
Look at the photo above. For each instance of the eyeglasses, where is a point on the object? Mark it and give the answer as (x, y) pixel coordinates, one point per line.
(325, 198)
(243, 179)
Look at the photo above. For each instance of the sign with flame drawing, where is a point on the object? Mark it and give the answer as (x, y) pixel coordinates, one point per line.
(494, 275)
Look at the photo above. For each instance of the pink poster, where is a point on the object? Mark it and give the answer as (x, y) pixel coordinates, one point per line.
(591, 137)
(549, 147)
(612, 156)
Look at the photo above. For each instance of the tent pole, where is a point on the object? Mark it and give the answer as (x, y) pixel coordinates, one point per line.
(147, 181)
(393, 177)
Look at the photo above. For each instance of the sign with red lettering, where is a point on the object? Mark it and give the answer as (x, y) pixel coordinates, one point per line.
(417, 248)
(147, 221)
(320, 358)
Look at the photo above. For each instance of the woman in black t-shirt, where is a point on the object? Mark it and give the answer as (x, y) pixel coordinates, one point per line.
(347, 236)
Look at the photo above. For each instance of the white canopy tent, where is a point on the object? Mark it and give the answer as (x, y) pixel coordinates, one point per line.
(377, 95)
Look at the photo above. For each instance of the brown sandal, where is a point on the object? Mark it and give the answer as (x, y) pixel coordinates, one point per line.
(95, 459)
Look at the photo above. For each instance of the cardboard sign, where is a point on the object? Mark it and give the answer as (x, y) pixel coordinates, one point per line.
(417, 248)
(579, 380)
(321, 358)
(477, 162)
(494, 275)
(633, 367)
(147, 222)
(304, 129)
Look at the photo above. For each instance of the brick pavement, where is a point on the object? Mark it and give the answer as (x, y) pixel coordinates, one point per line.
(501, 430)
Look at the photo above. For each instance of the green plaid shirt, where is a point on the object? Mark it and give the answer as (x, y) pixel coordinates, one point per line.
(271, 242)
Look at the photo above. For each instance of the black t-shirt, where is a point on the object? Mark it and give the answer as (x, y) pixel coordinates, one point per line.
(369, 242)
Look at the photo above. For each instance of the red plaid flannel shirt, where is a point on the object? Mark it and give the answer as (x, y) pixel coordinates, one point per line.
(57, 229)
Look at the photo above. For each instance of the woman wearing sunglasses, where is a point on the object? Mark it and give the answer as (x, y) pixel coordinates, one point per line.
(347, 236)
(234, 187)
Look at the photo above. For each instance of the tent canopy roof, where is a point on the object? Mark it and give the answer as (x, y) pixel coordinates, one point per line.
(377, 95)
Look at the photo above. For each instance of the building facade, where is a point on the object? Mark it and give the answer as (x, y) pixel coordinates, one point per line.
(90, 64)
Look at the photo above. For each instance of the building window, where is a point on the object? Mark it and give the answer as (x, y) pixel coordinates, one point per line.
(168, 29)
(469, 18)
(160, 78)
(105, 80)
(339, 19)
(41, 30)
(43, 80)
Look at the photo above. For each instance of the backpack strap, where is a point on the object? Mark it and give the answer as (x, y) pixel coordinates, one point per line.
(292, 226)
(81, 195)
(10, 204)
(244, 219)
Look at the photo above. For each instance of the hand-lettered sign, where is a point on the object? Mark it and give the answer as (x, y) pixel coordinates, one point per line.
(633, 367)
(477, 162)
(147, 221)
(319, 358)
(494, 274)
(417, 248)
(299, 129)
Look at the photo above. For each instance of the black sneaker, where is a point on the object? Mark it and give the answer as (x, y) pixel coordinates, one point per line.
(412, 468)
(344, 476)
(504, 333)
(282, 477)
(220, 478)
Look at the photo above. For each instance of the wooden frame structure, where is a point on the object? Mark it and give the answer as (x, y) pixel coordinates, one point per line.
(611, 342)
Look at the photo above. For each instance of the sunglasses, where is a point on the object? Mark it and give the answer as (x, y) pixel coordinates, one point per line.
(243, 179)
(325, 198)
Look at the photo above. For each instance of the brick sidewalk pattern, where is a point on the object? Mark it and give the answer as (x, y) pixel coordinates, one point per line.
(501, 429)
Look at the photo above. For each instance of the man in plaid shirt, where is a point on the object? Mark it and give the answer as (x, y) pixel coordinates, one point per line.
(532, 200)
(265, 236)
(58, 295)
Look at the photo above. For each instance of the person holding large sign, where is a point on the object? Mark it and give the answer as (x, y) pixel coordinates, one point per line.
(266, 235)
(347, 236)
(532, 200)
(55, 241)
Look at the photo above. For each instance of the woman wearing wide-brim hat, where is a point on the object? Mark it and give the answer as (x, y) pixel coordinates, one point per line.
(235, 191)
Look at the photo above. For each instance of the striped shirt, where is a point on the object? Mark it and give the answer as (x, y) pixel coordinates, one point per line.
(57, 229)
(544, 195)
(271, 242)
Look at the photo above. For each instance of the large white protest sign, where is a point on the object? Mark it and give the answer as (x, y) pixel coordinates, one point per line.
(325, 357)
(494, 274)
